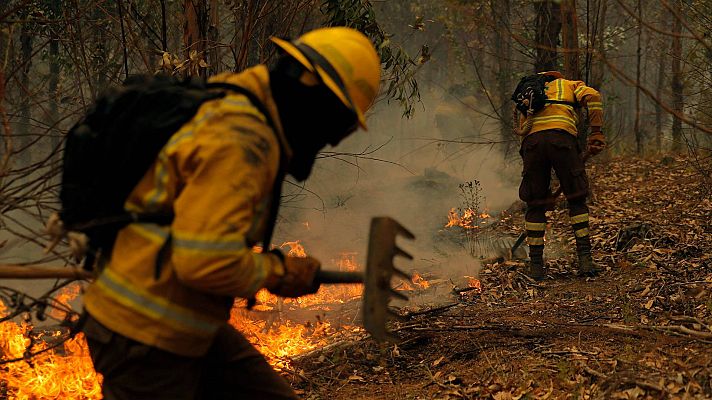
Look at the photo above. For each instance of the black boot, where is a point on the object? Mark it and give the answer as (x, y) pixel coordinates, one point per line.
(587, 266)
(536, 263)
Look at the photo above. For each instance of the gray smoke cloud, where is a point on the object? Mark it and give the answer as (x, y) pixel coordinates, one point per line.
(416, 183)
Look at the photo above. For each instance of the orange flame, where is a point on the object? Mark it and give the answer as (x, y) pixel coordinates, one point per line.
(295, 249)
(69, 374)
(420, 281)
(61, 301)
(47, 375)
(469, 219)
(474, 283)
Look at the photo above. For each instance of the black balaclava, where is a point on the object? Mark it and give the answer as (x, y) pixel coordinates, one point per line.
(311, 116)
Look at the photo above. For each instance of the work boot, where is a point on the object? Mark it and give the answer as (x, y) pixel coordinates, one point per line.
(536, 270)
(536, 263)
(587, 266)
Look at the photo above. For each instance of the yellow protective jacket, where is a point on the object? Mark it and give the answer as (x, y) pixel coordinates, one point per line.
(217, 174)
(563, 116)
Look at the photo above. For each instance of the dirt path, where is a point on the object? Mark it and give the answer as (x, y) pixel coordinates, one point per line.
(642, 330)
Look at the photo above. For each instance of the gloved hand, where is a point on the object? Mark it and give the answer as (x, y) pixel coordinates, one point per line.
(596, 143)
(298, 278)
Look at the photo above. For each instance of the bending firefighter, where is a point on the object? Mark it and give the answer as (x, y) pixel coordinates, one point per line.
(157, 315)
(547, 123)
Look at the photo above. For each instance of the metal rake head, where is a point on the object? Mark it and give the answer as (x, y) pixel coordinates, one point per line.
(379, 271)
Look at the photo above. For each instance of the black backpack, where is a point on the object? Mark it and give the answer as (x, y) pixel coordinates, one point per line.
(110, 149)
(533, 89)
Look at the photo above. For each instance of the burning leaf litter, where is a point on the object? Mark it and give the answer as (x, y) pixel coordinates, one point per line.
(67, 372)
(642, 330)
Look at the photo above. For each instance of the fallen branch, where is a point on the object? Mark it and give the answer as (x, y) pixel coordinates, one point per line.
(595, 373)
(648, 385)
(431, 310)
(43, 272)
(684, 330)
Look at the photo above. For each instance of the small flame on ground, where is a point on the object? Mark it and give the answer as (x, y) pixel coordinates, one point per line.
(295, 249)
(420, 281)
(467, 219)
(474, 283)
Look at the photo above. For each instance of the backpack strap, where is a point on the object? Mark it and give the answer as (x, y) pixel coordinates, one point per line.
(254, 100)
(568, 103)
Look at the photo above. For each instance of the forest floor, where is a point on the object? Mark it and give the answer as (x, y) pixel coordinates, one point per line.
(640, 330)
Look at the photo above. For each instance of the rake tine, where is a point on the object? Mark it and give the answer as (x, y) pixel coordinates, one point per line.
(398, 295)
(402, 274)
(400, 252)
(405, 232)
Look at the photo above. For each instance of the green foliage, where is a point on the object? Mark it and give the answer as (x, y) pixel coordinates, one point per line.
(399, 67)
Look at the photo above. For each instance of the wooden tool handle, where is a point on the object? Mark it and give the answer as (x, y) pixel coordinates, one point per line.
(42, 272)
(339, 277)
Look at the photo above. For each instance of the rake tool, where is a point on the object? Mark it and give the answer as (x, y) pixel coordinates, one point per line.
(377, 291)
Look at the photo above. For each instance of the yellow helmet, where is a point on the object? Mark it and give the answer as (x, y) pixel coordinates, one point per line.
(346, 62)
(554, 74)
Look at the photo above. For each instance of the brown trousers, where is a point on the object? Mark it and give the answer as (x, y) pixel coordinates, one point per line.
(232, 369)
(542, 151)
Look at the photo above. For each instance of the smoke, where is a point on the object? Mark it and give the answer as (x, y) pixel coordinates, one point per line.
(410, 170)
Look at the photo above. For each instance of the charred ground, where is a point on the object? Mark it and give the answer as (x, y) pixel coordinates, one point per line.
(641, 330)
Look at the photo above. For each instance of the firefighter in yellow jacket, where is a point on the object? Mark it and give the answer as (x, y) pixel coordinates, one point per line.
(550, 141)
(157, 315)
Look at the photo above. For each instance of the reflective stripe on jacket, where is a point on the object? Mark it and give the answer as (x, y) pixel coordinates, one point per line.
(217, 174)
(563, 116)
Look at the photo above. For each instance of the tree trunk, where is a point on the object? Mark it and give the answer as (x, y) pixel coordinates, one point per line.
(598, 65)
(569, 34)
(548, 26)
(164, 26)
(213, 53)
(195, 31)
(25, 109)
(54, 71)
(677, 87)
(636, 126)
(662, 66)
(99, 55)
(501, 12)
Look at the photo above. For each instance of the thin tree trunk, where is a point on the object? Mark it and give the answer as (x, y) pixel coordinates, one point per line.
(636, 128)
(54, 71)
(598, 66)
(25, 109)
(677, 87)
(501, 13)
(569, 34)
(164, 26)
(99, 57)
(195, 28)
(213, 55)
(663, 58)
(548, 26)
(662, 66)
